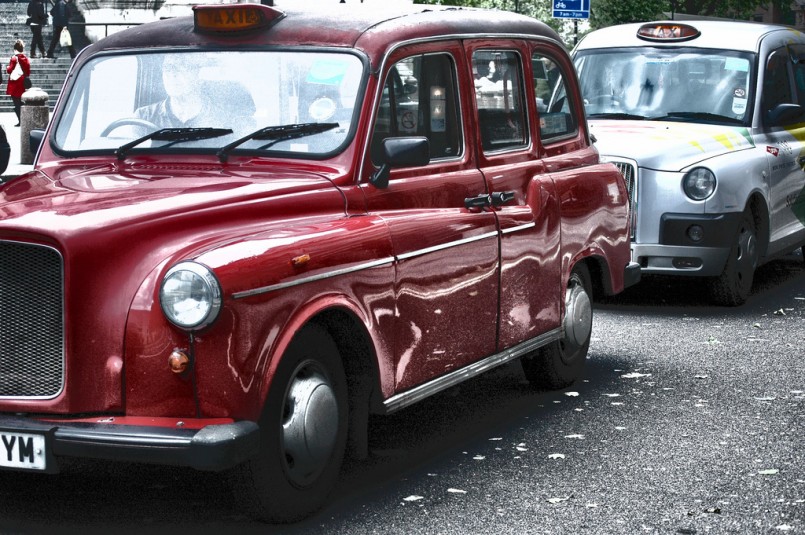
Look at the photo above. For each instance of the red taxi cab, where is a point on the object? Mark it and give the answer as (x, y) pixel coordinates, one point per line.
(248, 230)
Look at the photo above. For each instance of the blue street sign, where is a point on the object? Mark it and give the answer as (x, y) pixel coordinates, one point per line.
(571, 9)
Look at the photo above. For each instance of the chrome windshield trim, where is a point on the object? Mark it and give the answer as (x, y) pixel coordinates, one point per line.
(409, 397)
(313, 278)
(518, 228)
(448, 245)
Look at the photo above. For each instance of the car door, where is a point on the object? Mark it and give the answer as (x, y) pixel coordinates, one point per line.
(784, 83)
(521, 190)
(446, 289)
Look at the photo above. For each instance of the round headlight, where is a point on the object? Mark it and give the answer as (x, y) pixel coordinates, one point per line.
(699, 183)
(190, 296)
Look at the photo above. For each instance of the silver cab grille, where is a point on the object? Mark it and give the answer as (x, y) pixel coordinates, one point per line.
(31, 321)
(629, 172)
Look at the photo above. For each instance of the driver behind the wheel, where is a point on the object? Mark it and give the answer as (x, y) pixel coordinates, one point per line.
(186, 103)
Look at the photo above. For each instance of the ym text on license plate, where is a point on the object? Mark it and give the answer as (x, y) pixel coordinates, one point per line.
(22, 450)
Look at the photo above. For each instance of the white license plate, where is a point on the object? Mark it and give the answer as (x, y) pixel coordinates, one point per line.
(22, 450)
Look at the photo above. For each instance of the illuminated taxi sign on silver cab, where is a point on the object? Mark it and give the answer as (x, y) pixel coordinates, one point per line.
(234, 17)
(667, 31)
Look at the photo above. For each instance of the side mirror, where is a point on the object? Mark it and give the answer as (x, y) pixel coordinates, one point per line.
(400, 152)
(35, 140)
(784, 114)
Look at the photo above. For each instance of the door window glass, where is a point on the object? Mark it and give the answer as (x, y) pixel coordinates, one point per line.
(419, 99)
(499, 98)
(556, 118)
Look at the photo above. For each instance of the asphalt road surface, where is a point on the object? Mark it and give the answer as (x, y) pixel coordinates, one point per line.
(689, 420)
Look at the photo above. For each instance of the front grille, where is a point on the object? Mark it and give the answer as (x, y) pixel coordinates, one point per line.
(630, 177)
(31, 318)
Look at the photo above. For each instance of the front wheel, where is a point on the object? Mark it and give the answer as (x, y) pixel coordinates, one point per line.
(303, 433)
(560, 363)
(733, 286)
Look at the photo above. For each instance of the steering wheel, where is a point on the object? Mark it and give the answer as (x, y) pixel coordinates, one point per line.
(128, 121)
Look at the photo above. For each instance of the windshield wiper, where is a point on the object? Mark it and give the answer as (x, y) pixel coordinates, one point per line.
(618, 115)
(174, 135)
(703, 116)
(276, 134)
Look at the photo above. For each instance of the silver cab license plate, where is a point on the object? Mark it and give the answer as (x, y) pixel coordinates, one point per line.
(23, 451)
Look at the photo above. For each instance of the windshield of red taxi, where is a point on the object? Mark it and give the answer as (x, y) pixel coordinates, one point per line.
(119, 98)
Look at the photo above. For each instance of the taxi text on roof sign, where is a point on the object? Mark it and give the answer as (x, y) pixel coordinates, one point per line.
(234, 17)
(667, 32)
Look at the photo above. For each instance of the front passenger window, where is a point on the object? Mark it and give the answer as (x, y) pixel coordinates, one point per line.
(419, 99)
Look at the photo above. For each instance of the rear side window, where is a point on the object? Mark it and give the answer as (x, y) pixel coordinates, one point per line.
(499, 97)
(419, 99)
(556, 117)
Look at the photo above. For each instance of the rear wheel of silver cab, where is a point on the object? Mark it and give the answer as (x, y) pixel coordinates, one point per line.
(733, 286)
(560, 363)
(303, 433)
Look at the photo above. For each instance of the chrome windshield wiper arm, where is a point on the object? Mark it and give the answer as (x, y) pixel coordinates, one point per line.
(276, 134)
(174, 135)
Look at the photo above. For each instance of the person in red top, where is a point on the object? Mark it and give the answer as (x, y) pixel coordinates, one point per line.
(15, 88)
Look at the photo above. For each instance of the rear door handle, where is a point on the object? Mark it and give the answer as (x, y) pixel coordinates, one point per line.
(499, 198)
(479, 201)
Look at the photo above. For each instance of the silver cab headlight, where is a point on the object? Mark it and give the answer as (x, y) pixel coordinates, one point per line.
(699, 183)
(190, 296)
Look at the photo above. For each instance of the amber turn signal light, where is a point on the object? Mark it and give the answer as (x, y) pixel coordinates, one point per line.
(178, 361)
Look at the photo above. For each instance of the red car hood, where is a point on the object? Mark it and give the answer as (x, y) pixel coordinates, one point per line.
(75, 200)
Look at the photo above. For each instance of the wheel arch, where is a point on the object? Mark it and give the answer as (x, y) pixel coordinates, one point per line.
(359, 358)
(600, 276)
(343, 322)
(758, 208)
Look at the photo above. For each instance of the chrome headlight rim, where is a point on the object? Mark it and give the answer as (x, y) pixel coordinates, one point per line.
(699, 183)
(211, 286)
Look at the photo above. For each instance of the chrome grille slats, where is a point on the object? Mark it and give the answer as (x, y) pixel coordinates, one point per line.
(629, 172)
(31, 321)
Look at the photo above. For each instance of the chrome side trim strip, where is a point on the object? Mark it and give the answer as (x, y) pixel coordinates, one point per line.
(360, 267)
(313, 278)
(518, 228)
(420, 252)
(409, 397)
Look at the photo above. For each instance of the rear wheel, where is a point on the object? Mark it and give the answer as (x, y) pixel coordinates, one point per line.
(560, 363)
(733, 286)
(303, 433)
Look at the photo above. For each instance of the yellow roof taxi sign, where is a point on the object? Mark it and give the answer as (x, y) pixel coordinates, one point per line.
(234, 17)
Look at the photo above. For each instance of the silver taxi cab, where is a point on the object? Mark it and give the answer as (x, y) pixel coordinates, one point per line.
(705, 119)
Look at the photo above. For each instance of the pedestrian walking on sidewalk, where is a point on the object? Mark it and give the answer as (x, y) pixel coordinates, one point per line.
(61, 19)
(37, 19)
(19, 68)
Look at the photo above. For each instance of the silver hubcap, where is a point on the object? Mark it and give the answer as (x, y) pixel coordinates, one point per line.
(578, 317)
(309, 424)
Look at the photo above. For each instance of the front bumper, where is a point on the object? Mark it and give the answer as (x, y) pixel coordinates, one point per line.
(679, 254)
(212, 447)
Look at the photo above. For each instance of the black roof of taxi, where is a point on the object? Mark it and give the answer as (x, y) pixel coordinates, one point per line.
(341, 25)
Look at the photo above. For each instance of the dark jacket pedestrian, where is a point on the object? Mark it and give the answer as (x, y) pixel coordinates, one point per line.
(15, 88)
(61, 18)
(37, 18)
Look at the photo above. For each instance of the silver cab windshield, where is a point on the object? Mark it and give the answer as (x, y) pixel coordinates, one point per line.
(694, 85)
(122, 97)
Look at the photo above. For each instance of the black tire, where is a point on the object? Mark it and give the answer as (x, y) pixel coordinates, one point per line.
(299, 460)
(560, 363)
(734, 285)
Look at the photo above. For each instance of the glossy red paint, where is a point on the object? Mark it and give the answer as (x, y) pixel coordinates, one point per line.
(411, 282)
